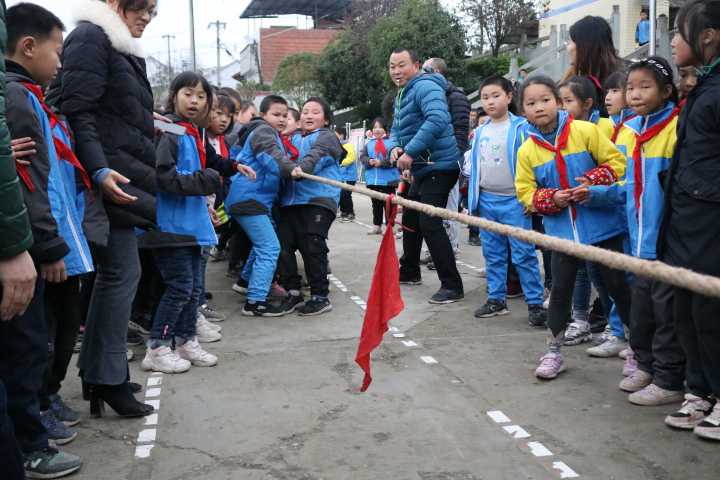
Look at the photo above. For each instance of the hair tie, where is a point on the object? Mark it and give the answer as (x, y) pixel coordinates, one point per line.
(596, 82)
(657, 64)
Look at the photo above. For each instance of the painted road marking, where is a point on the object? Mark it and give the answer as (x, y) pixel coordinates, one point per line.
(565, 471)
(151, 419)
(154, 381)
(152, 392)
(409, 343)
(498, 416)
(539, 450)
(147, 435)
(154, 403)
(516, 431)
(398, 335)
(143, 451)
(428, 359)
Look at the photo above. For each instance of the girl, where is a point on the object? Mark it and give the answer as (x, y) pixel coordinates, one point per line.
(561, 151)
(688, 234)
(183, 184)
(648, 140)
(616, 103)
(688, 80)
(348, 169)
(591, 50)
(380, 175)
(307, 210)
(579, 99)
(492, 195)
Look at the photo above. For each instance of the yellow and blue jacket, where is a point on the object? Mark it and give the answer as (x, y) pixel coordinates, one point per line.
(587, 151)
(605, 125)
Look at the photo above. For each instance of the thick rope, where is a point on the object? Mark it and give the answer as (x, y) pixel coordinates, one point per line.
(655, 270)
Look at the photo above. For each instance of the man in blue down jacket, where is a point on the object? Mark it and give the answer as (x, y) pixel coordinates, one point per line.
(423, 131)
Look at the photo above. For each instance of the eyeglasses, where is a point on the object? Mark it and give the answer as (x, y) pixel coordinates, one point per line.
(146, 11)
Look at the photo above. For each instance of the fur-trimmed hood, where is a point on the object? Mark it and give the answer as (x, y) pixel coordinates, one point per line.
(99, 13)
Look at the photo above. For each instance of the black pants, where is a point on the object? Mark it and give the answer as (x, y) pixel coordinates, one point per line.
(151, 286)
(653, 338)
(63, 312)
(240, 246)
(10, 455)
(346, 202)
(378, 206)
(697, 320)
(433, 189)
(23, 357)
(564, 271)
(304, 228)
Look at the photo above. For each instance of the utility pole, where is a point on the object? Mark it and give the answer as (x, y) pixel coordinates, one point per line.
(217, 25)
(192, 37)
(169, 64)
(653, 27)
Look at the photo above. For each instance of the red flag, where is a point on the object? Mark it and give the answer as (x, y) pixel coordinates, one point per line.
(384, 302)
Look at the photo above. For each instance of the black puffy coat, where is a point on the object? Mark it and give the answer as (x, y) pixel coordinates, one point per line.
(459, 108)
(104, 92)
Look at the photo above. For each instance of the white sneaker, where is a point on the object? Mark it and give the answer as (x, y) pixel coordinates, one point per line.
(163, 359)
(194, 353)
(605, 336)
(482, 272)
(201, 319)
(623, 354)
(241, 290)
(205, 334)
(611, 348)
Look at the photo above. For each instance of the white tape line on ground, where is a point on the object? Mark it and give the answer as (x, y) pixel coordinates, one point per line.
(154, 403)
(152, 392)
(398, 335)
(143, 451)
(154, 381)
(151, 419)
(516, 431)
(498, 416)
(147, 435)
(565, 471)
(539, 450)
(409, 343)
(429, 360)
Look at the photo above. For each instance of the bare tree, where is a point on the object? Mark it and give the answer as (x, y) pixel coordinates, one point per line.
(500, 20)
(363, 16)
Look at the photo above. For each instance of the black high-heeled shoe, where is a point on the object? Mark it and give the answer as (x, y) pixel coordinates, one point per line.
(120, 398)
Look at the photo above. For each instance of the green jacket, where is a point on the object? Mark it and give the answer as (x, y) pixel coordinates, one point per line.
(16, 236)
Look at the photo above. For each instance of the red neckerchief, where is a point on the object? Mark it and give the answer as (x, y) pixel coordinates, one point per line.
(290, 149)
(63, 151)
(616, 128)
(224, 152)
(562, 139)
(637, 154)
(682, 103)
(305, 134)
(380, 147)
(193, 132)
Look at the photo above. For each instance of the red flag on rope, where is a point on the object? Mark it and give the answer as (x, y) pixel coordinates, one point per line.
(384, 302)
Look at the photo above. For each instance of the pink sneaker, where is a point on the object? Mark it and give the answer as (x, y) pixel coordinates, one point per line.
(693, 411)
(654, 395)
(551, 365)
(709, 427)
(276, 291)
(636, 382)
(630, 363)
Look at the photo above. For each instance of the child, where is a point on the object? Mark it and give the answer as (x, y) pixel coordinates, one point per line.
(349, 176)
(293, 123)
(34, 43)
(688, 234)
(648, 140)
(380, 176)
(561, 151)
(250, 202)
(688, 80)
(183, 183)
(307, 211)
(492, 195)
(616, 103)
(579, 99)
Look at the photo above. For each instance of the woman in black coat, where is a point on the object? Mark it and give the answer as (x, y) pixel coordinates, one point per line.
(104, 92)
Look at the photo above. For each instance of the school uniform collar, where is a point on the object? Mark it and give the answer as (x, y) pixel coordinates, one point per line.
(563, 117)
(594, 116)
(18, 71)
(618, 118)
(640, 124)
(707, 69)
(513, 119)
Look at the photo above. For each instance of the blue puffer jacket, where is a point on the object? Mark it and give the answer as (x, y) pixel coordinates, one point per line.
(349, 168)
(323, 149)
(422, 126)
(384, 175)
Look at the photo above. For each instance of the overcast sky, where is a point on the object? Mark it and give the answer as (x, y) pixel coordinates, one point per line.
(174, 19)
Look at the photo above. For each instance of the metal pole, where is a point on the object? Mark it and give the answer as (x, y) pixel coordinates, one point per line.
(169, 64)
(217, 25)
(653, 14)
(192, 37)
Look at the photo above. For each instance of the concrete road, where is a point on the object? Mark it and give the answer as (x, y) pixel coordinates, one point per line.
(284, 401)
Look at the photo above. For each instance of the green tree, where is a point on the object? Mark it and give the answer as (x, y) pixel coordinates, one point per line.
(296, 78)
(428, 27)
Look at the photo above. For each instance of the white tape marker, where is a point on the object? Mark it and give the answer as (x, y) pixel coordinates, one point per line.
(154, 381)
(428, 359)
(355, 298)
(409, 343)
(539, 450)
(398, 335)
(143, 451)
(155, 403)
(565, 471)
(516, 431)
(151, 419)
(393, 329)
(156, 373)
(498, 416)
(152, 392)
(364, 307)
(147, 435)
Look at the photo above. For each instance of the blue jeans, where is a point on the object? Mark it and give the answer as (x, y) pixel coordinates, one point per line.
(581, 294)
(509, 211)
(260, 266)
(181, 269)
(205, 257)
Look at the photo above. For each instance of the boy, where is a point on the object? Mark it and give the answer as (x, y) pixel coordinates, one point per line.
(642, 31)
(250, 202)
(349, 173)
(35, 42)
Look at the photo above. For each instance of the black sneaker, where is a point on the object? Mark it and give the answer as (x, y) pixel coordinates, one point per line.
(492, 308)
(235, 270)
(141, 322)
(262, 309)
(537, 316)
(445, 295)
(49, 463)
(57, 431)
(474, 240)
(315, 306)
(597, 318)
(133, 338)
(410, 281)
(431, 266)
(291, 302)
